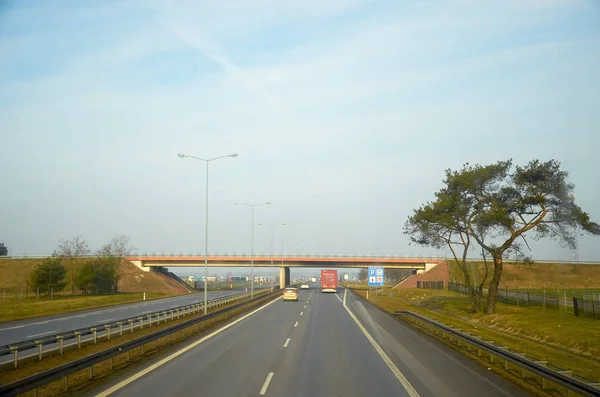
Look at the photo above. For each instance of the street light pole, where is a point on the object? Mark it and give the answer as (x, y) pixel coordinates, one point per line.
(252, 241)
(273, 226)
(207, 161)
(576, 238)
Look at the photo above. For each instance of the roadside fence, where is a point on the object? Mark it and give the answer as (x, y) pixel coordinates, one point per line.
(567, 300)
(439, 285)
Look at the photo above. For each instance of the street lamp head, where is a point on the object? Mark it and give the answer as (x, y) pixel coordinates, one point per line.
(234, 155)
(237, 203)
(181, 155)
(268, 202)
(283, 224)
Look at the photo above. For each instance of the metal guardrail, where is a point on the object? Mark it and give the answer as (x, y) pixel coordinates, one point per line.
(105, 329)
(559, 377)
(62, 372)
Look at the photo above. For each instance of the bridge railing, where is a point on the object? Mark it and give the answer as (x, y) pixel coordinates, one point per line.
(268, 255)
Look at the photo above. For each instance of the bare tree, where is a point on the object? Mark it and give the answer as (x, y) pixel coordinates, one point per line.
(112, 254)
(71, 249)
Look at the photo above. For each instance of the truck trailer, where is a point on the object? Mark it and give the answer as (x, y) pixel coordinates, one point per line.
(329, 280)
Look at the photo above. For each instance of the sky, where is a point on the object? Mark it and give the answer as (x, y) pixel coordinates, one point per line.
(344, 115)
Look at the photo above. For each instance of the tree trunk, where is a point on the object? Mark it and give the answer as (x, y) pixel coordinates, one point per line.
(494, 283)
(476, 301)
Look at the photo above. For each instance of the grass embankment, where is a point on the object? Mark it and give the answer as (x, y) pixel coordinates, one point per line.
(12, 311)
(10, 375)
(18, 301)
(536, 276)
(566, 341)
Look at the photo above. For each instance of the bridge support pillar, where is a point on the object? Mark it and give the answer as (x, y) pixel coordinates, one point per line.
(140, 265)
(284, 277)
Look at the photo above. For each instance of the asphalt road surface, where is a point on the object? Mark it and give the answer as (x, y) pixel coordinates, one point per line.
(17, 331)
(314, 347)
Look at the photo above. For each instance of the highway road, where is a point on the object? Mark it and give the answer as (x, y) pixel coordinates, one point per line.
(17, 331)
(315, 347)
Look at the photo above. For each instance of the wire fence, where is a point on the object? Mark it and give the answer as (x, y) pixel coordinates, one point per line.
(439, 285)
(581, 302)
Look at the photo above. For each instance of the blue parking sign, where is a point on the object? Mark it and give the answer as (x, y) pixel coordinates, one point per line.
(376, 275)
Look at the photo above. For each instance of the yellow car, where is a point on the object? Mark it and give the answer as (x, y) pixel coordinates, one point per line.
(290, 294)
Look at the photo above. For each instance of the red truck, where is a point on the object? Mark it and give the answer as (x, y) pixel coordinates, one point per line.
(329, 280)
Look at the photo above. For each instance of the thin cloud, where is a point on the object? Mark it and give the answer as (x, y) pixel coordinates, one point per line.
(211, 51)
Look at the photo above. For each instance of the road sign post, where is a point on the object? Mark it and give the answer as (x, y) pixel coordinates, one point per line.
(376, 277)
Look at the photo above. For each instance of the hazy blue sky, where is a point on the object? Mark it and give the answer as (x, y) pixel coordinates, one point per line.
(344, 113)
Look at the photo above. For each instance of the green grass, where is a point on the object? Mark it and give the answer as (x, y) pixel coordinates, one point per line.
(30, 308)
(566, 341)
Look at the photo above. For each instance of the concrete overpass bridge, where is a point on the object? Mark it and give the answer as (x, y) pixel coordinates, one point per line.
(148, 261)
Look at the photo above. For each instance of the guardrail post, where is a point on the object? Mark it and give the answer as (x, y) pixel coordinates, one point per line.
(39, 344)
(149, 320)
(66, 382)
(543, 364)
(131, 324)
(78, 334)
(95, 332)
(15, 352)
(107, 331)
(177, 310)
(61, 343)
(505, 360)
(120, 324)
(570, 374)
(170, 315)
(91, 372)
(466, 343)
(522, 369)
(158, 319)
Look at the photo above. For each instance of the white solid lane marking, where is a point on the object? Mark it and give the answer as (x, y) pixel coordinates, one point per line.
(295, 325)
(15, 327)
(287, 342)
(345, 291)
(338, 298)
(399, 375)
(147, 311)
(107, 320)
(301, 313)
(178, 353)
(263, 390)
(43, 333)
